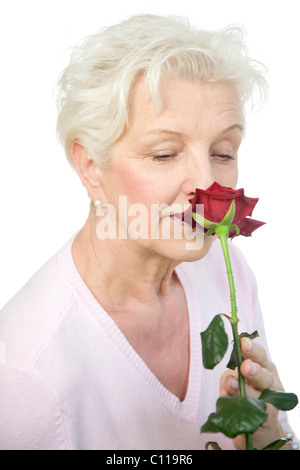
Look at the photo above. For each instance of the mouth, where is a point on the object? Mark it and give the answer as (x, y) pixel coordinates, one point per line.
(177, 218)
(185, 218)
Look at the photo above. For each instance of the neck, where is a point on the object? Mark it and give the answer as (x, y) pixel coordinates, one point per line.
(120, 272)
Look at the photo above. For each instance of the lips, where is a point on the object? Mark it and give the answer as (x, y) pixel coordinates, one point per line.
(186, 217)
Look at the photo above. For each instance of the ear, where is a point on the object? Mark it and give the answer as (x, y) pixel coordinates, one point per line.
(86, 169)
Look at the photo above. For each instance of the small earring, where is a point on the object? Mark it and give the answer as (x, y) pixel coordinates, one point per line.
(97, 203)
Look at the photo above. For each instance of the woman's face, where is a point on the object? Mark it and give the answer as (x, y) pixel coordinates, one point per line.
(192, 141)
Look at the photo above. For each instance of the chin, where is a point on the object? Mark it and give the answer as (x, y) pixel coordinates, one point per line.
(184, 250)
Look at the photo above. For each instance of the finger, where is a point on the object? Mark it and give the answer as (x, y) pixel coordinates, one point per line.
(255, 352)
(257, 376)
(229, 384)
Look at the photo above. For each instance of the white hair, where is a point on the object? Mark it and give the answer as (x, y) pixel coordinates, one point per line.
(95, 87)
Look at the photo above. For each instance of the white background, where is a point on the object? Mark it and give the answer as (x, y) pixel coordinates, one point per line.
(42, 201)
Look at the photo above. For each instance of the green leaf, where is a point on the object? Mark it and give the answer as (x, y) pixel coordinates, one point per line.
(202, 221)
(214, 343)
(229, 215)
(236, 228)
(211, 231)
(232, 363)
(209, 426)
(236, 415)
(214, 445)
(276, 445)
(249, 335)
(281, 400)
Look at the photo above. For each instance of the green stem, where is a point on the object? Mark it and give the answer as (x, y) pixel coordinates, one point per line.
(222, 232)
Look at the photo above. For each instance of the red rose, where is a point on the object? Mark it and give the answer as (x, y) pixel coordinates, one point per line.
(217, 201)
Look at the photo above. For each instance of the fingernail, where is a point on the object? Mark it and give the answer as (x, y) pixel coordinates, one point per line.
(247, 345)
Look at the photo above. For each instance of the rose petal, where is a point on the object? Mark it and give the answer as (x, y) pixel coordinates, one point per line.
(217, 200)
(247, 226)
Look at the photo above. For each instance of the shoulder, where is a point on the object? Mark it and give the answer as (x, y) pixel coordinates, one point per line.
(33, 313)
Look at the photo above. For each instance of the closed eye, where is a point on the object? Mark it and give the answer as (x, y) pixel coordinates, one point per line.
(163, 157)
(224, 157)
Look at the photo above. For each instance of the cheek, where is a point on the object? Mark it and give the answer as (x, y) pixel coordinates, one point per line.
(142, 186)
(137, 188)
(235, 178)
(124, 181)
(228, 179)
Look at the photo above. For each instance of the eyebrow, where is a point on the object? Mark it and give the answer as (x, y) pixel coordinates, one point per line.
(233, 127)
(169, 131)
(163, 131)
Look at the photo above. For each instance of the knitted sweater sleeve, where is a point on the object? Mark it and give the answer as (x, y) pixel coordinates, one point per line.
(29, 416)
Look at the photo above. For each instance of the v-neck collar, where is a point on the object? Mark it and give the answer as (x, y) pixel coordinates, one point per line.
(188, 408)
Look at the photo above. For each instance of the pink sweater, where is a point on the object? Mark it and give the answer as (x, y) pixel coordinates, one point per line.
(70, 379)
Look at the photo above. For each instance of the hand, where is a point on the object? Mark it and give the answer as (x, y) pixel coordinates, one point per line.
(259, 373)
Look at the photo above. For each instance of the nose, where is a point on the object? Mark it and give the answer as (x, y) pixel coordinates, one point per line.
(199, 174)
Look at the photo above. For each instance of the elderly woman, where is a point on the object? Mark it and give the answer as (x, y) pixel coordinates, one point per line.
(102, 344)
